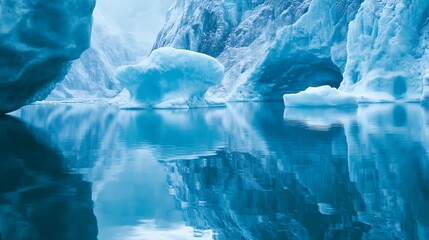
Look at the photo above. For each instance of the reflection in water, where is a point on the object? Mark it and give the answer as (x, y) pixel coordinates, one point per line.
(38, 198)
(248, 171)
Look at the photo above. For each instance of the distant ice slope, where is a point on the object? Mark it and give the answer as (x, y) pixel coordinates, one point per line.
(93, 75)
(119, 37)
(38, 40)
(273, 47)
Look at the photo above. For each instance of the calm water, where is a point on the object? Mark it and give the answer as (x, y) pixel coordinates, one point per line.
(249, 171)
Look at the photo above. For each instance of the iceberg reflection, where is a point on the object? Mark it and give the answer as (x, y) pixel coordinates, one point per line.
(249, 171)
(39, 198)
(362, 175)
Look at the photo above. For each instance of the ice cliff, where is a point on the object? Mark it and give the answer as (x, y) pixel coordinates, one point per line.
(38, 40)
(372, 49)
(387, 49)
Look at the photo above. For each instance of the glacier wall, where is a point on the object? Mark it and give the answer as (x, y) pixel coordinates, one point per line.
(386, 44)
(38, 39)
(373, 49)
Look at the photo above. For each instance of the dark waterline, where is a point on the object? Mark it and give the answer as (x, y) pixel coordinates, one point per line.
(248, 171)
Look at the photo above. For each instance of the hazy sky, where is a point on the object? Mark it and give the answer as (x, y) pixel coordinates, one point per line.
(143, 18)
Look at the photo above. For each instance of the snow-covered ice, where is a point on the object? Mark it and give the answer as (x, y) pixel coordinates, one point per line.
(171, 78)
(323, 96)
(268, 47)
(386, 45)
(375, 50)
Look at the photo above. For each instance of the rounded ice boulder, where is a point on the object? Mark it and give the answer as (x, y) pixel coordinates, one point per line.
(172, 78)
(38, 40)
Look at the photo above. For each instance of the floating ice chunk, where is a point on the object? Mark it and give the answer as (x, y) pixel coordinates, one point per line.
(323, 96)
(172, 78)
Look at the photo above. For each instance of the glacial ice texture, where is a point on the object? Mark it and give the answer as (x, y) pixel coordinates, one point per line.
(268, 47)
(38, 40)
(171, 78)
(376, 50)
(387, 49)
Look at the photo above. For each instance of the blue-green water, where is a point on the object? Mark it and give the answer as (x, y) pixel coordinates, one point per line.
(248, 171)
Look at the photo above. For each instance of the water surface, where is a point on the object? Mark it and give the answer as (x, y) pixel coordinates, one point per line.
(248, 171)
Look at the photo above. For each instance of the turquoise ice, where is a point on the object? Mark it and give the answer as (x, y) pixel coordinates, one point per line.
(171, 78)
(38, 40)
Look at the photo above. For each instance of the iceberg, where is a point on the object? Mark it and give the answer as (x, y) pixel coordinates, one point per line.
(171, 78)
(38, 41)
(323, 96)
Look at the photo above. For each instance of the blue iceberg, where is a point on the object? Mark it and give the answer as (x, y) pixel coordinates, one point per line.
(171, 78)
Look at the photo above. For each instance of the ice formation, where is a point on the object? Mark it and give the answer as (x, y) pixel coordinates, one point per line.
(38, 39)
(172, 78)
(324, 96)
(268, 47)
(120, 35)
(375, 50)
(92, 77)
(387, 48)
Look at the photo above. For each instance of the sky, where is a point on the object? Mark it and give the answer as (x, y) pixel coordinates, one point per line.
(143, 18)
